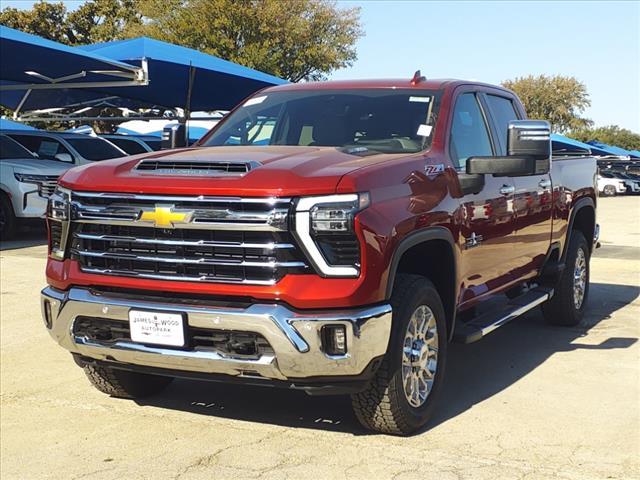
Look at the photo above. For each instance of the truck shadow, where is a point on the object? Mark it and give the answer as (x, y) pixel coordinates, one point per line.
(26, 236)
(474, 373)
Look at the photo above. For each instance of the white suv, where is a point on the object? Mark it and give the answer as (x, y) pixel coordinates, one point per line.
(26, 182)
(609, 187)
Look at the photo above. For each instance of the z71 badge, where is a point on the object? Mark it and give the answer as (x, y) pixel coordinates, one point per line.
(433, 169)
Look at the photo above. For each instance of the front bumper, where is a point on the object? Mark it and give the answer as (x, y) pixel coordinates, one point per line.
(293, 335)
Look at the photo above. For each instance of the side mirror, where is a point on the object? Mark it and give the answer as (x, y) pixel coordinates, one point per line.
(528, 152)
(174, 136)
(64, 157)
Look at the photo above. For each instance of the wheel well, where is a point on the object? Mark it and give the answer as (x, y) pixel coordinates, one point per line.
(585, 222)
(434, 260)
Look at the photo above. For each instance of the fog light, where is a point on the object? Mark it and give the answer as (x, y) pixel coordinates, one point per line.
(47, 314)
(334, 339)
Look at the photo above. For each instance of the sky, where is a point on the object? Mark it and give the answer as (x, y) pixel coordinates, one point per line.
(598, 42)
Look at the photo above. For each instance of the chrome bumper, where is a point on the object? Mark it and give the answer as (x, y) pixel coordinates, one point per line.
(293, 335)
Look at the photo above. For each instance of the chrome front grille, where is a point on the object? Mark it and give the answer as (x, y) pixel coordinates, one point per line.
(197, 239)
(47, 187)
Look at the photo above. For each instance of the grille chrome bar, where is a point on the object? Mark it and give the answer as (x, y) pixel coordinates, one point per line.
(177, 278)
(189, 261)
(274, 220)
(190, 243)
(174, 198)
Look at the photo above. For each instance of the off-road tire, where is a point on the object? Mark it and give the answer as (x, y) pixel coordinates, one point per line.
(125, 384)
(383, 407)
(560, 310)
(609, 191)
(7, 218)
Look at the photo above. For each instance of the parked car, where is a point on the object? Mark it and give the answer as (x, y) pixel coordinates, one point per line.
(610, 187)
(72, 148)
(134, 144)
(26, 182)
(339, 255)
(632, 184)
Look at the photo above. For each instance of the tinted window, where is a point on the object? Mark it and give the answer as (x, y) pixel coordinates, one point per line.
(469, 135)
(45, 147)
(95, 148)
(12, 149)
(503, 112)
(378, 120)
(130, 146)
(155, 145)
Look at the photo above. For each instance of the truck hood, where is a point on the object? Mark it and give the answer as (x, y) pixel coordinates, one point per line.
(275, 171)
(37, 166)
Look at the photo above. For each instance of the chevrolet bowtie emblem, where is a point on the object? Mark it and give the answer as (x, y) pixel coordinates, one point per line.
(163, 216)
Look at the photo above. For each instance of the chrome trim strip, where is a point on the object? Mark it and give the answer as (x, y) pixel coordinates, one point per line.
(187, 261)
(293, 335)
(194, 243)
(182, 198)
(176, 278)
(515, 313)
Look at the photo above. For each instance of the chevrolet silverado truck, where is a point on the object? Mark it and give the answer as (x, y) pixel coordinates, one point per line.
(331, 237)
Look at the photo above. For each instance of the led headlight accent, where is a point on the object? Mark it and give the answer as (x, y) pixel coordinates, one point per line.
(58, 214)
(327, 215)
(29, 178)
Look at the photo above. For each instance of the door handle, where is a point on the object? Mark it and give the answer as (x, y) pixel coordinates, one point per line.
(544, 184)
(507, 189)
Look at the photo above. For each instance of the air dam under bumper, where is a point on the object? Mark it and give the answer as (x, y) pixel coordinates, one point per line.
(293, 335)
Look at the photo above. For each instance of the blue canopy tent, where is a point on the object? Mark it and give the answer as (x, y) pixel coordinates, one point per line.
(40, 73)
(179, 77)
(561, 144)
(611, 150)
(634, 153)
(6, 124)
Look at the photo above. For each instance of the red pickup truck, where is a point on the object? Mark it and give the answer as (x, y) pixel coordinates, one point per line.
(331, 237)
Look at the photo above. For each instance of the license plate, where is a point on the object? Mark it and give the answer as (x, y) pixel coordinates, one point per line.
(157, 328)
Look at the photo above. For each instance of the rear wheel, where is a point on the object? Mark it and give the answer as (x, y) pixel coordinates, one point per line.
(401, 397)
(123, 383)
(7, 218)
(609, 191)
(567, 305)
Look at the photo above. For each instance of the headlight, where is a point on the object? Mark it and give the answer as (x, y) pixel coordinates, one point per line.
(58, 214)
(29, 178)
(325, 230)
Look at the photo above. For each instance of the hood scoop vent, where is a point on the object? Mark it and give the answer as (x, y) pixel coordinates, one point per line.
(197, 168)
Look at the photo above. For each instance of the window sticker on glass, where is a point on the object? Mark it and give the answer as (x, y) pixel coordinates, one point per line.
(255, 101)
(47, 148)
(420, 99)
(424, 130)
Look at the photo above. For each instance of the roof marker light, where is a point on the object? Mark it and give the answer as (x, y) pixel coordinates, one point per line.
(417, 78)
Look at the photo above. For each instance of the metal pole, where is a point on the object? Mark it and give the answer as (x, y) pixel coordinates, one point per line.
(187, 108)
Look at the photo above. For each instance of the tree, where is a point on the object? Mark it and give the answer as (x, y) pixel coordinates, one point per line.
(94, 21)
(557, 99)
(611, 135)
(292, 39)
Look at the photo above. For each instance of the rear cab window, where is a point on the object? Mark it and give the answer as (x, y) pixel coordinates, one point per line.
(503, 112)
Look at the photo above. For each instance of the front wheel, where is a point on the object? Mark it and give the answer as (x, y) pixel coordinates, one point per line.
(123, 383)
(7, 218)
(609, 191)
(401, 397)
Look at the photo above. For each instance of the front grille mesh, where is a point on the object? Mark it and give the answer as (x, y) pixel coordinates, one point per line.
(231, 344)
(47, 187)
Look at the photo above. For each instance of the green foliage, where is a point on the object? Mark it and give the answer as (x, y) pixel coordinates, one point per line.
(292, 39)
(94, 21)
(557, 99)
(611, 135)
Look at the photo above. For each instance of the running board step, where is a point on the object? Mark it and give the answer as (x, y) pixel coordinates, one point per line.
(490, 321)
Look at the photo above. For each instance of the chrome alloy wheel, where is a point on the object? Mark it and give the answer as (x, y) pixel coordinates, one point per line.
(579, 279)
(419, 356)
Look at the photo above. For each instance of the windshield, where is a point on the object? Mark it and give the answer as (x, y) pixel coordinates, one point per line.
(93, 148)
(10, 149)
(377, 120)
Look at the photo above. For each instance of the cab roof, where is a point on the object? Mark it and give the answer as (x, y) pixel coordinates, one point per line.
(425, 84)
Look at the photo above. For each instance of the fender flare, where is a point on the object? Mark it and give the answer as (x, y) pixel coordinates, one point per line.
(584, 202)
(416, 238)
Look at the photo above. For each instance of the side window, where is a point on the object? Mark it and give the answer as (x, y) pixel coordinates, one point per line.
(503, 112)
(469, 134)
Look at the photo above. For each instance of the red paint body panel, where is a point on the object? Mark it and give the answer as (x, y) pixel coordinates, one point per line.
(404, 199)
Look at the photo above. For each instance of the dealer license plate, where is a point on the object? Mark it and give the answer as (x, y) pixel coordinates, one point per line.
(157, 328)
